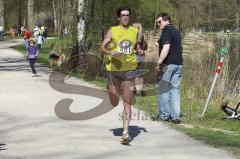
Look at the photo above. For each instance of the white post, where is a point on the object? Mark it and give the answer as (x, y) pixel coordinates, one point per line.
(222, 53)
(213, 84)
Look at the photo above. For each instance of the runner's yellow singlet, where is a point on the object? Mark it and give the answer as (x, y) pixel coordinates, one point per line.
(123, 41)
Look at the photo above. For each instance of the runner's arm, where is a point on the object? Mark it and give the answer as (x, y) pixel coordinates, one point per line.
(138, 48)
(106, 41)
(163, 55)
(104, 46)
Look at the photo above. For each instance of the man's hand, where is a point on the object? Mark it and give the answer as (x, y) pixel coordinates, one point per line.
(159, 67)
(117, 54)
(140, 52)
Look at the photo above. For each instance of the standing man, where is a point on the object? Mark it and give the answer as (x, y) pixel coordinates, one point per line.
(169, 70)
(119, 45)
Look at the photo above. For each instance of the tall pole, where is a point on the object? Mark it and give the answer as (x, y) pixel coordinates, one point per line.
(219, 67)
(222, 53)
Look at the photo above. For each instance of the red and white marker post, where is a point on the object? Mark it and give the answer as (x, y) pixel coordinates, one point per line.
(219, 67)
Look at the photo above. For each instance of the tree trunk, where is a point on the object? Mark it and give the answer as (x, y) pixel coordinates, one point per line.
(1, 13)
(20, 14)
(60, 14)
(25, 13)
(237, 20)
(55, 16)
(30, 14)
(81, 25)
(156, 12)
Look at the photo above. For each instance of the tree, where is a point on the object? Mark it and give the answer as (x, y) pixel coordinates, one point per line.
(30, 14)
(55, 16)
(81, 24)
(1, 13)
(211, 14)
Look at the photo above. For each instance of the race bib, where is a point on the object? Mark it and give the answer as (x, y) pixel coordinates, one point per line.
(125, 47)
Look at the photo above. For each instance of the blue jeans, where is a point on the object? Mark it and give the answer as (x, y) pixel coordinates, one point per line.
(168, 93)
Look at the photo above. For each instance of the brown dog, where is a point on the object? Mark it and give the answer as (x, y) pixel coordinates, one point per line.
(56, 59)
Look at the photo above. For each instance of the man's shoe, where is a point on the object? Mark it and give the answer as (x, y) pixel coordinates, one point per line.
(125, 139)
(157, 118)
(176, 121)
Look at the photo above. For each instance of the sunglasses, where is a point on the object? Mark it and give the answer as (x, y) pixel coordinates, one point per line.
(124, 15)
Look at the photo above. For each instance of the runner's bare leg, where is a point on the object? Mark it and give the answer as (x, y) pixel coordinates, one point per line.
(114, 94)
(127, 90)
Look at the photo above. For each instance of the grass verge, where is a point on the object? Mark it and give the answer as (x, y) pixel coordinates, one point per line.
(43, 53)
(212, 129)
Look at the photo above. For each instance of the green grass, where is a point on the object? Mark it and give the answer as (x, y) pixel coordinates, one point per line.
(212, 129)
(43, 53)
(235, 36)
(216, 138)
(52, 35)
(9, 37)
